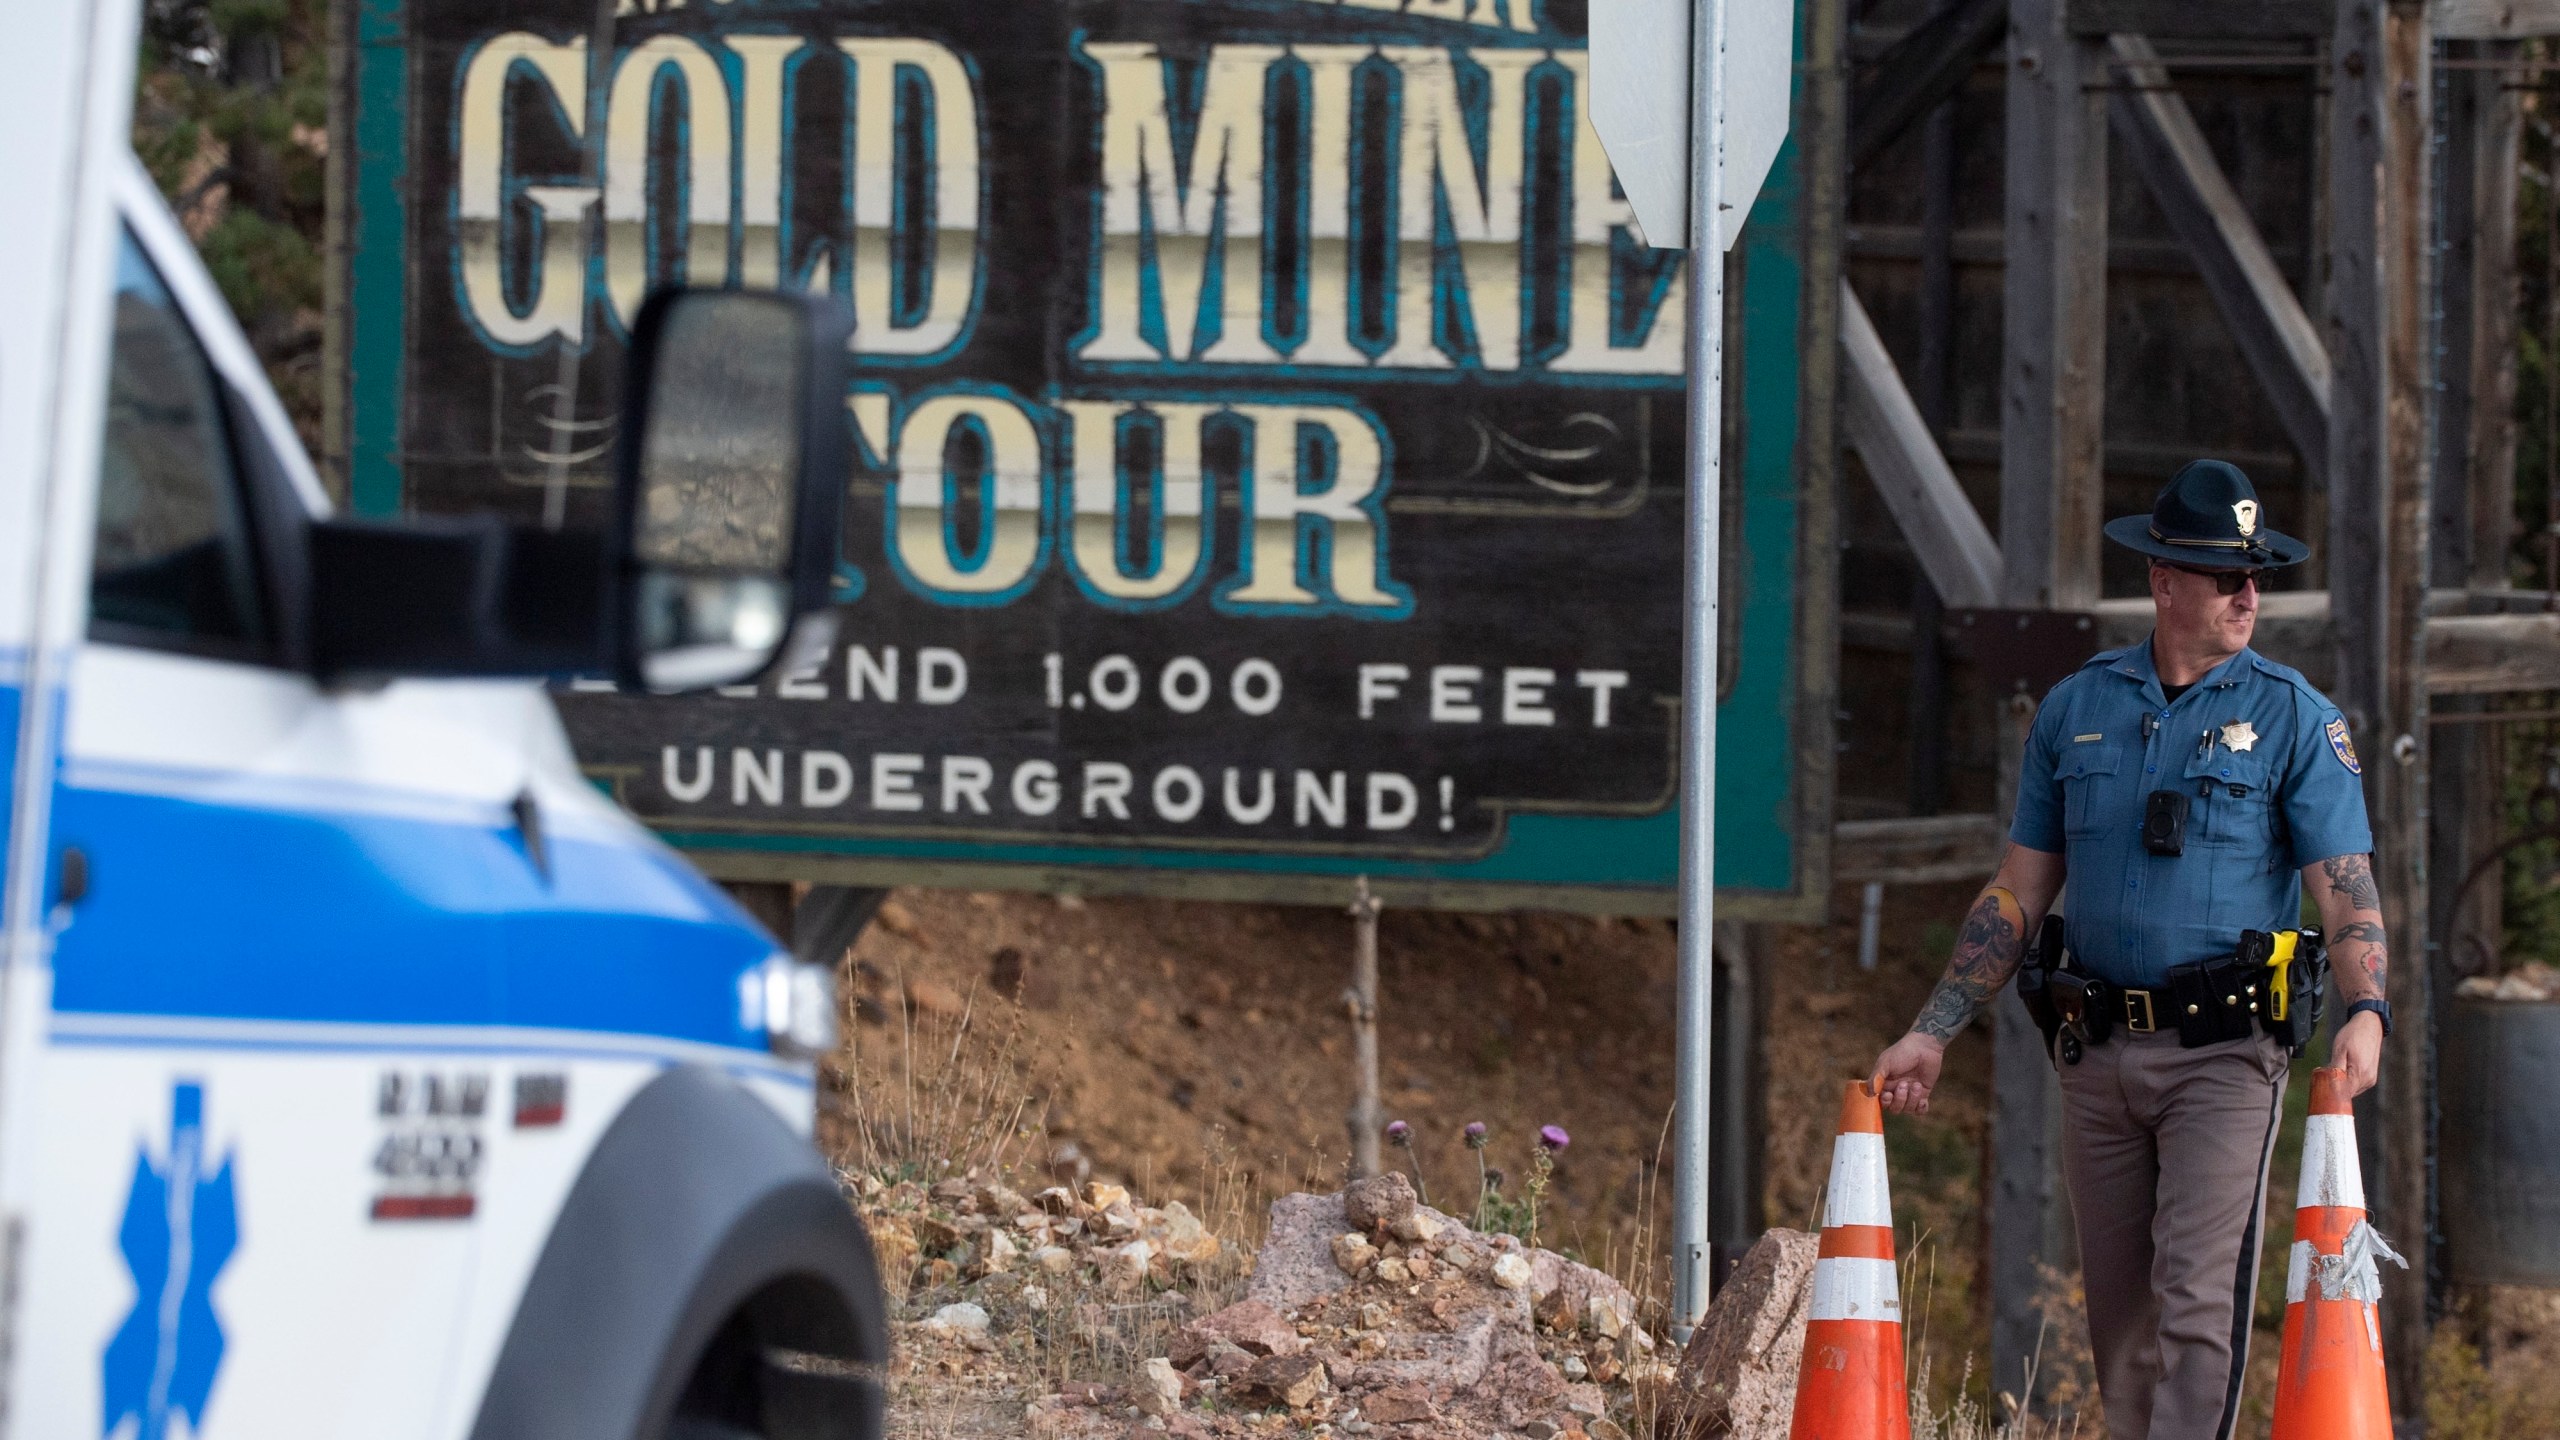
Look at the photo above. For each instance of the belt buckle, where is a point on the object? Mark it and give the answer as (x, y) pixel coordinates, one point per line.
(2150, 1021)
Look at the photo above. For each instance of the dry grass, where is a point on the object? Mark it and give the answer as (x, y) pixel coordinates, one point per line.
(2489, 1371)
(2059, 1371)
(928, 1099)
(954, 1099)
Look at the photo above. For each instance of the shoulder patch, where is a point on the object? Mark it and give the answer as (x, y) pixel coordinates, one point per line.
(2343, 747)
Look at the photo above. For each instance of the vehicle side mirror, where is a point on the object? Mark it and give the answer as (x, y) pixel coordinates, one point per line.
(729, 482)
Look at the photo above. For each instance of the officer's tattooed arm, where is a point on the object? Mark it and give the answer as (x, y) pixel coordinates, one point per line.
(2351, 909)
(2359, 955)
(1986, 955)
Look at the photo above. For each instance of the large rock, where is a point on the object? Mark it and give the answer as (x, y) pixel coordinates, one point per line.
(1518, 1387)
(1738, 1376)
(1573, 1290)
(1446, 1361)
(1291, 1380)
(1377, 1203)
(1296, 1261)
(963, 1323)
(1399, 1405)
(1249, 1325)
(1159, 1388)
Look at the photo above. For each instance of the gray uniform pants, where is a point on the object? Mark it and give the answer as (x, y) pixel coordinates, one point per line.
(2166, 1150)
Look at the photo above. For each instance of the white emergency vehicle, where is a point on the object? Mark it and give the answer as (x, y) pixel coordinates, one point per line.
(363, 1072)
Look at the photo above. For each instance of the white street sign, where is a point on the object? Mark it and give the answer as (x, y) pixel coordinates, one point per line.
(1640, 105)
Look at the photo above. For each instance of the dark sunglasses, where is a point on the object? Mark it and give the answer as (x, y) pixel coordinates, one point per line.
(2225, 582)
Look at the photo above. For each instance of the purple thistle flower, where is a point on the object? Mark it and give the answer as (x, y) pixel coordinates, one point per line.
(1399, 1133)
(1477, 1135)
(1552, 1139)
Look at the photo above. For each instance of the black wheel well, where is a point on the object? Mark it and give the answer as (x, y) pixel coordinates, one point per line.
(796, 1323)
(705, 1267)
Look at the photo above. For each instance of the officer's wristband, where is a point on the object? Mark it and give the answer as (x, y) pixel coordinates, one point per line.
(2378, 1007)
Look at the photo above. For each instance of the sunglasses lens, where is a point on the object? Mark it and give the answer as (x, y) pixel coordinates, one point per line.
(2228, 582)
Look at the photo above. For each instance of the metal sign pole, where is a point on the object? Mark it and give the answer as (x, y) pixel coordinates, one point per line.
(1690, 1117)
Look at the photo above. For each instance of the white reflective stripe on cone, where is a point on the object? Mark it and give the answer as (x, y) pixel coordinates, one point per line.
(1857, 1195)
(2330, 1175)
(2297, 1272)
(1850, 1289)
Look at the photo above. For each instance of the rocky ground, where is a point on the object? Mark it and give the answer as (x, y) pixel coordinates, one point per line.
(1077, 1314)
(1197, 1056)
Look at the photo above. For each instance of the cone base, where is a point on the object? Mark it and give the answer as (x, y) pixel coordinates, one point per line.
(2330, 1384)
(1851, 1386)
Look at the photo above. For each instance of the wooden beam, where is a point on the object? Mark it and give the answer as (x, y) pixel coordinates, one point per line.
(1873, 240)
(2493, 654)
(1954, 547)
(2494, 19)
(1925, 851)
(2475, 490)
(2028, 1223)
(1925, 66)
(2275, 335)
(2053, 361)
(2467, 654)
(1925, 706)
(828, 919)
(2379, 121)
(2204, 19)
(2482, 304)
(2029, 1206)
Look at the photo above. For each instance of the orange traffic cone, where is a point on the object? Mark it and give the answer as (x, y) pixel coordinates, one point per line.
(2330, 1385)
(1851, 1385)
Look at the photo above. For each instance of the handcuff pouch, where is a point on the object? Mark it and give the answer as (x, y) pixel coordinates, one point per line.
(2216, 1000)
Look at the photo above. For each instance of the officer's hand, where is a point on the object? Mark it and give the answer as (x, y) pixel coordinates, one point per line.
(2357, 1049)
(1907, 1072)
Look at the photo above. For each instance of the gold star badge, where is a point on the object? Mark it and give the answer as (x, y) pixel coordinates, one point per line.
(2238, 736)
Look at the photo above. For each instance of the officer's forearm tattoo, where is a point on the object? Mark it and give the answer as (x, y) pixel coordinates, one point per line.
(2361, 949)
(2352, 877)
(2373, 965)
(1986, 955)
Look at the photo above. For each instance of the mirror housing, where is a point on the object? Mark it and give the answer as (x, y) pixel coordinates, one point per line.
(745, 555)
(454, 597)
(729, 478)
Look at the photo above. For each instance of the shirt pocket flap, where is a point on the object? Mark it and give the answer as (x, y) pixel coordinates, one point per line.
(2082, 761)
(2226, 768)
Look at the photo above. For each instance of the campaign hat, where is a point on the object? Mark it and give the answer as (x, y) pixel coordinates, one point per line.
(2208, 517)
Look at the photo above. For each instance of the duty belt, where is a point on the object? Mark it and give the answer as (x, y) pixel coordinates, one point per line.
(2270, 982)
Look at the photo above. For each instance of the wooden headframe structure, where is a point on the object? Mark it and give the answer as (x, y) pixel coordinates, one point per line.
(2358, 358)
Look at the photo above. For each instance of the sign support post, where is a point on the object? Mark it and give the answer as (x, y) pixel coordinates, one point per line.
(1691, 1114)
(1691, 149)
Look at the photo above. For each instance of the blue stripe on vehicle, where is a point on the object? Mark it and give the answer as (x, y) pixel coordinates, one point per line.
(11, 701)
(239, 912)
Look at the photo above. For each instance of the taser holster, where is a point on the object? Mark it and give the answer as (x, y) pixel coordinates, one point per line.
(2296, 966)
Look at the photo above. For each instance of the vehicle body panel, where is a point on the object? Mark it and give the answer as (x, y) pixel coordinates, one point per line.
(292, 1094)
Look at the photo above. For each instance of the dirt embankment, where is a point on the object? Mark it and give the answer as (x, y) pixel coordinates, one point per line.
(1201, 1051)
(1175, 1046)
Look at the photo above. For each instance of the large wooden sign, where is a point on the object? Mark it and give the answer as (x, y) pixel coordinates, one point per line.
(1269, 429)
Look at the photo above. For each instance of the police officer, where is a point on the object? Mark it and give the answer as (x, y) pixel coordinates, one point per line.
(2190, 789)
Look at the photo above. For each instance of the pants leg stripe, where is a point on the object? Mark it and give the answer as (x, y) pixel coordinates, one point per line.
(2244, 1278)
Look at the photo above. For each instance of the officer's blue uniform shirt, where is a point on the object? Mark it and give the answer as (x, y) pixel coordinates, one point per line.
(2272, 781)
